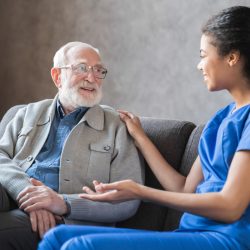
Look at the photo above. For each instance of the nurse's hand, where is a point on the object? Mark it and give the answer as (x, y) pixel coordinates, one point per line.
(133, 124)
(112, 192)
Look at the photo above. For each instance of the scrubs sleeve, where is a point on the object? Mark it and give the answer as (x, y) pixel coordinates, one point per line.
(244, 143)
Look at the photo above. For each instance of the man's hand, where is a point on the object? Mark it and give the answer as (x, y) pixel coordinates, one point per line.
(41, 221)
(41, 197)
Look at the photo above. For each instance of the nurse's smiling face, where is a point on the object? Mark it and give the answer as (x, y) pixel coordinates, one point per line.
(214, 67)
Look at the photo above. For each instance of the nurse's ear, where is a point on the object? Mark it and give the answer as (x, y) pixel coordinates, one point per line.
(233, 58)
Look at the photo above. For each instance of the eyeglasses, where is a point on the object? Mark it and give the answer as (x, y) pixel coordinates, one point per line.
(82, 69)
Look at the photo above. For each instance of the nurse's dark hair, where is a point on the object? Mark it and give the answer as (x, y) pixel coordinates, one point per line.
(230, 30)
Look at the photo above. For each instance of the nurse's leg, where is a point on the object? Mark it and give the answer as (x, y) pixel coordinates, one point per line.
(149, 241)
(57, 236)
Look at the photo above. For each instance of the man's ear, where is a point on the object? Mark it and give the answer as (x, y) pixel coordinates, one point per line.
(56, 76)
(233, 57)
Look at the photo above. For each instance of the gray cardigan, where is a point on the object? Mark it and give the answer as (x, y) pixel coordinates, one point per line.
(98, 148)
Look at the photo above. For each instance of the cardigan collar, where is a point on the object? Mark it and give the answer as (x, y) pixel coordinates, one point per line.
(94, 116)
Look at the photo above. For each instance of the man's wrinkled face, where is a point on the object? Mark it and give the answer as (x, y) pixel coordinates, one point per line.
(77, 88)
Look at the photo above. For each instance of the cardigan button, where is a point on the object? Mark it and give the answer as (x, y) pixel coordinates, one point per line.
(107, 148)
(30, 158)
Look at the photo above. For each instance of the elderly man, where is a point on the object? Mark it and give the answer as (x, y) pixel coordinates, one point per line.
(52, 148)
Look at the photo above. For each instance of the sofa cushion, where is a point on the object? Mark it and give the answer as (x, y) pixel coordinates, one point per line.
(170, 137)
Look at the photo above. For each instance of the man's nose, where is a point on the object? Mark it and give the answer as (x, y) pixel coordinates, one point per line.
(90, 76)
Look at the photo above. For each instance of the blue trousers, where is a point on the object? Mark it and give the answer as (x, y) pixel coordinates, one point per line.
(106, 238)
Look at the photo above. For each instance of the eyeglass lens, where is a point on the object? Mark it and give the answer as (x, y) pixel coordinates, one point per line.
(98, 71)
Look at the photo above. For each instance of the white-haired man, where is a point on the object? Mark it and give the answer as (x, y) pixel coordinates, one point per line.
(52, 148)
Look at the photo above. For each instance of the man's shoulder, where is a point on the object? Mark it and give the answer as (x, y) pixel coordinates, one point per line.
(110, 113)
(41, 103)
(110, 109)
(112, 117)
(33, 111)
(39, 106)
(23, 109)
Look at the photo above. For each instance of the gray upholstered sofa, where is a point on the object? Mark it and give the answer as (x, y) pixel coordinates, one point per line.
(177, 141)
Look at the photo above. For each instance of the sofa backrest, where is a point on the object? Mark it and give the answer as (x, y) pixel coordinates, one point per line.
(177, 141)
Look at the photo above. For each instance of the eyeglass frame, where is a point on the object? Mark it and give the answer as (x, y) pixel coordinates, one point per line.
(72, 67)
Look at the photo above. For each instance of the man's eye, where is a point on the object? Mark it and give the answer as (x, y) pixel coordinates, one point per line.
(99, 69)
(81, 68)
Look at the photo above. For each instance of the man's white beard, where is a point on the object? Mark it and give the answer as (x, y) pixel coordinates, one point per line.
(81, 101)
(72, 97)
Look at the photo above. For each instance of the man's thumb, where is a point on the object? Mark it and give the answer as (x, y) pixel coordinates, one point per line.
(35, 182)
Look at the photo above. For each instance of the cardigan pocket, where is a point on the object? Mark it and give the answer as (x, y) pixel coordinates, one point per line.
(99, 162)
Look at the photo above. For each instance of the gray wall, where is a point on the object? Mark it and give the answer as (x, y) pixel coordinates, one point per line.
(151, 49)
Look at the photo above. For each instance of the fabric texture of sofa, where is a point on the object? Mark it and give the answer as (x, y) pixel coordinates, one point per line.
(177, 141)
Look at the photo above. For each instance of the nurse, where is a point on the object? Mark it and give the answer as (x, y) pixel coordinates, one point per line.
(215, 195)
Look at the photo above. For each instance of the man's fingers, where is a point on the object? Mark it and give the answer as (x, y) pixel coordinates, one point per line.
(40, 224)
(46, 221)
(52, 220)
(41, 221)
(25, 192)
(31, 201)
(29, 196)
(33, 221)
(34, 207)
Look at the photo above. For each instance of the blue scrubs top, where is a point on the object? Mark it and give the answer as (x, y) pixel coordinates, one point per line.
(225, 134)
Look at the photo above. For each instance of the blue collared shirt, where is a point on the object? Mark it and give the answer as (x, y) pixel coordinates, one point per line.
(47, 163)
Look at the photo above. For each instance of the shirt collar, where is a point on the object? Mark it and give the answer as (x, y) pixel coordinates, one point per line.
(78, 111)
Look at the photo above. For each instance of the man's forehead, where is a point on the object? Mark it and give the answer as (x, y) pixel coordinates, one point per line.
(83, 54)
